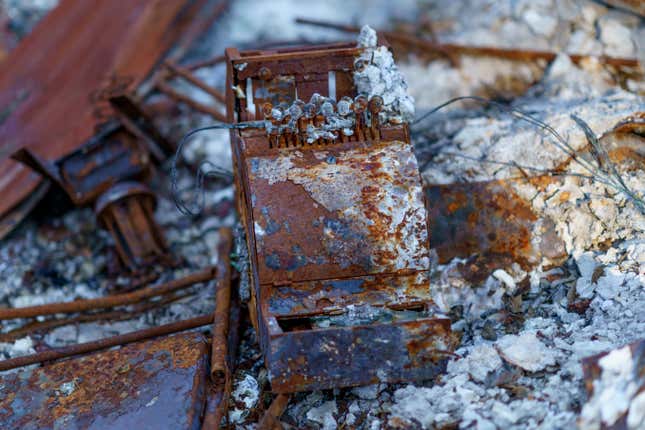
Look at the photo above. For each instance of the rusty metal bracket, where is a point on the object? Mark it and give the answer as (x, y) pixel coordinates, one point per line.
(127, 211)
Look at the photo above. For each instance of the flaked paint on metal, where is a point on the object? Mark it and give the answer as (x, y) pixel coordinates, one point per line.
(489, 219)
(320, 297)
(360, 211)
(157, 384)
(340, 357)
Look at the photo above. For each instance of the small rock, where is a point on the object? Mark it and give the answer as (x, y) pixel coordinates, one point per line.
(488, 331)
(479, 363)
(368, 392)
(609, 285)
(541, 23)
(324, 415)
(22, 347)
(526, 351)
(503, 276)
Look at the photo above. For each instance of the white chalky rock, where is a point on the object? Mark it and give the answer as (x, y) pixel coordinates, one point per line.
(526, 351)
(636, 415)
(616, 37)
(540, 23)
(381, 77)
(22, 347)
(479, 363)
(246, 392)
(324, 415)
(586, 264)
(503, 276)
(613, 392)
(414, 403)
(609, 284)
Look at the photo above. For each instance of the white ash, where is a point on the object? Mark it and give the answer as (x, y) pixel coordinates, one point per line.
(324, 415)
(572, 26)
(245, 396)
(380, 76)
(480, 363)
(526, 351)
(614, 392)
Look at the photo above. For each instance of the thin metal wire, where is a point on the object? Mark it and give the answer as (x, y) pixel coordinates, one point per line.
(604, 171)
(195, 207)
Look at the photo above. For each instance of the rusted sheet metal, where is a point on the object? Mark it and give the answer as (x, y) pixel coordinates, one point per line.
(127, 211)
(490, 219)
(603, 388)
(336, 357)
(55, 86)
(84, 174)
(336, 229)
(15, 215)
(635, 6)
(156, 384)
(331, 295)
(340, 211)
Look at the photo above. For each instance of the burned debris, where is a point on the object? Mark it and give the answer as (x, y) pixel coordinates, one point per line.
(375, 255)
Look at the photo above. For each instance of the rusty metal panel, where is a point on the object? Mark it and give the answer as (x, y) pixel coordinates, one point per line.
(329, 296)
(157, 384)
(488, 218)
(338, 211)
(337, 357)
(55, 86)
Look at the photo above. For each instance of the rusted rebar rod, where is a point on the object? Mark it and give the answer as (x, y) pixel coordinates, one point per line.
(488, 51)
(220, 371)
(182, 98)
(113, 315)
(205, 63)
(271, 418)
(221, 356)
(122, 339)
(186, 74)
(109, 301)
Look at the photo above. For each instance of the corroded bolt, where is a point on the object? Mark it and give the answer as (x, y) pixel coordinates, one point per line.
(344, 106)
(266, 110)
(375, 105)
(360, 64)
(360, 104)
(309, 110)
(265, 73)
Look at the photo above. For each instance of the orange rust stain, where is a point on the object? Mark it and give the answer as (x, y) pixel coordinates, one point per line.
(564, 196)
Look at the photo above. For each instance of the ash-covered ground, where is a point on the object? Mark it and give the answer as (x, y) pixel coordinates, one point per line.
(522, 339)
